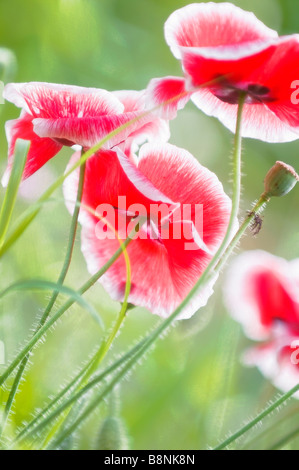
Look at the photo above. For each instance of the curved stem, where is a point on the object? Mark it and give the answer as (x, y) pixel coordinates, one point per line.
(70, 247)
(64, 271)
(237, 175)
(258, 419)
(101, 354)
(36, 425)
(91, 282)
(146, 344)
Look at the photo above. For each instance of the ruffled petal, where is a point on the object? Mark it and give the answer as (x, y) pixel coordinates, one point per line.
(210, 25)
(278, 361)
(176, 173)
(258, 122)
(168, 95)
(164, 268)
(46, 100)
(110, 175)
(41, 150)
(261, 290)
(88, 131)
(153, 285)
(156, 129)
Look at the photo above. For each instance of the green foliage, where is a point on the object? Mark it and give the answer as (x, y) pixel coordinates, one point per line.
(191, 390)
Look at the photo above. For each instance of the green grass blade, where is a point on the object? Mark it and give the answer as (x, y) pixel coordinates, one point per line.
(36, 284)
(20, 155)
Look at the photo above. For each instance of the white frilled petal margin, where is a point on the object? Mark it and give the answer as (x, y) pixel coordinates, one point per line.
(210, 25)
(164, 272)
(239, 297)
(258, 122)
(61, 100)
(142, 189)
(167, 95)
(154, 289)
(88, 131)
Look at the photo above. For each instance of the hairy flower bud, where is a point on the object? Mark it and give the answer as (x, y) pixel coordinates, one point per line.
(113, 435)
(280, 180)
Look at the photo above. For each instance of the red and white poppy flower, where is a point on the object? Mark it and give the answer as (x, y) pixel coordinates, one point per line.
(277, 360)
(262, 293)
(224, 51)
(164, 268)
(56, 115)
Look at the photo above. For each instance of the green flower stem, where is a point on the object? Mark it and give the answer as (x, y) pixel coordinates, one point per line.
(36, 425)
(32, 342)
(237, 175)
(101, 354)
(64, 271)
(284, 441)
(70, 247)
(257, 209)
(258, 419)
(146, 344)
(9, 201)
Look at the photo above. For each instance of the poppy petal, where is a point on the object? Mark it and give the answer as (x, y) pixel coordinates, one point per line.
(258, 122)
(210, 25)
(41, 150)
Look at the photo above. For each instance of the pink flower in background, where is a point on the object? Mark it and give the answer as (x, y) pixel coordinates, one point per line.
(54, 116)
(277, 360)
(163, 269)
(262, 293)
(224, 51)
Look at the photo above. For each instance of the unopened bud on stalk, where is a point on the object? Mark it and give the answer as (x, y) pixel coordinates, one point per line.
(280, 180)
(113, 435)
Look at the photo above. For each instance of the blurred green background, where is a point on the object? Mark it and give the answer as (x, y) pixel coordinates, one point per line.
(191, 391)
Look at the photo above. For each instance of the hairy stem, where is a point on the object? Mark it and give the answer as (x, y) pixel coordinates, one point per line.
(258, 419)
(64, 271)
(146, 344)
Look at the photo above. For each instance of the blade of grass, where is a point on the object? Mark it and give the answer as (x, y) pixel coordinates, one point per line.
(152, 338)
(20, 155)
(38, 284)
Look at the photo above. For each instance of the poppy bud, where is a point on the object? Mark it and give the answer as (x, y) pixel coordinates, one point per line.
(113, 435)
(280, 180)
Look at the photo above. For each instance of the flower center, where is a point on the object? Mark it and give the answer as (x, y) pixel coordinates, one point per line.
(256, 93)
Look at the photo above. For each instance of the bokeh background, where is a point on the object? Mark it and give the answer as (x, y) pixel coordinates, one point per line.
(191, 390)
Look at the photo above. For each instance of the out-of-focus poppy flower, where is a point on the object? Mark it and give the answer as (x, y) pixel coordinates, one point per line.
(225, 51)
(277, 360)
(54, 116)
(262, 293)
(172, 249)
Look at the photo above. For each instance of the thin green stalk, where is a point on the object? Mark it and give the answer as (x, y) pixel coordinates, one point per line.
(64, 271)
(32, 342)
(257, 209)
(149, 342)
(9, 201)
(237, 175)
(104, 348)
(258, 419)
(70, 247)
(35, 426)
